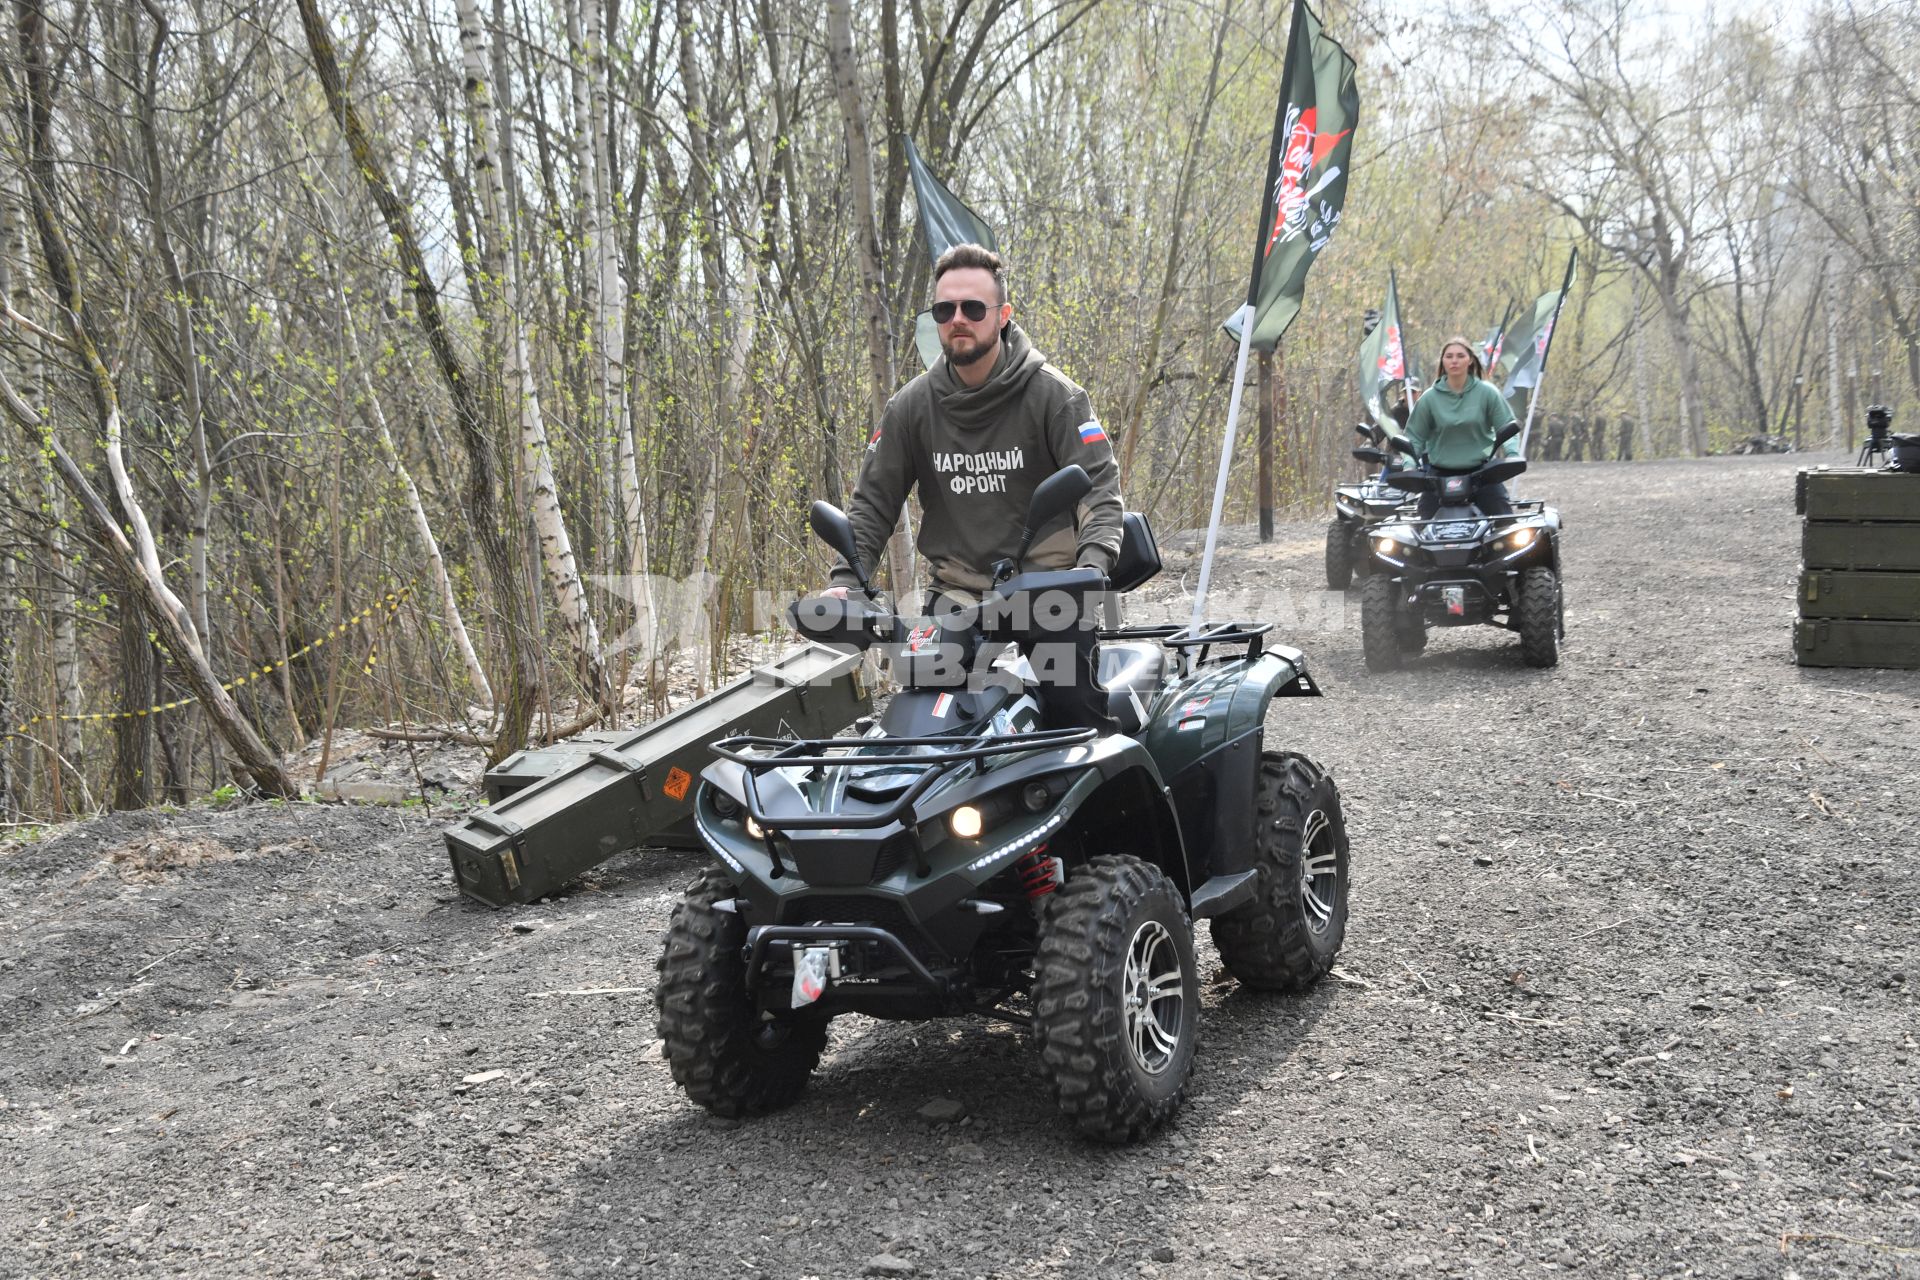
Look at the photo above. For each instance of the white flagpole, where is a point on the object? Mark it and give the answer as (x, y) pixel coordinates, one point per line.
(1226, 461)
(1533, 399)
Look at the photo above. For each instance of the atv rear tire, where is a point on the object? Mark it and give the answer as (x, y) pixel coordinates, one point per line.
(1379, 629)
(1289, 934)
(1339, 556)
(1537, 614)
(728, 1058)
(1116, 998)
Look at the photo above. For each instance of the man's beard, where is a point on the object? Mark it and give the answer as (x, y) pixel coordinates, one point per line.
(980, 351)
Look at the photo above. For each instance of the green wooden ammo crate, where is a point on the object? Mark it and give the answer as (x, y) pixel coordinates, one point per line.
(1853, 642)
(1829, 544)
(1845, 593)
(637, 789)
(524, 768)
(1856, 493)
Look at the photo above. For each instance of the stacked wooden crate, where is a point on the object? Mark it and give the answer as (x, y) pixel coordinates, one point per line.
(1860, 568)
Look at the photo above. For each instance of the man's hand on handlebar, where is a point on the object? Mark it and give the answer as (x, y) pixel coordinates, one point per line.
(838, 593)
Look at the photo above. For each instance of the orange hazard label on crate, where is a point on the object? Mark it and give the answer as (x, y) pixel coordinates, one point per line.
(678, 780)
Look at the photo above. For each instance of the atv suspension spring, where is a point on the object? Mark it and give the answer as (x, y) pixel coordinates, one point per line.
(1038, 874)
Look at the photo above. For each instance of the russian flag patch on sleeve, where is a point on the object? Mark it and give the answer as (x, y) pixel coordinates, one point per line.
(1091, 432)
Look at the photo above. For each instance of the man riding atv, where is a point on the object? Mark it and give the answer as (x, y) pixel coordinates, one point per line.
(977, 433)
(955, 857)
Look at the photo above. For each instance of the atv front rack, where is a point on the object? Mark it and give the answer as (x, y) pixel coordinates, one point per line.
(756, 755)
(1523, 509)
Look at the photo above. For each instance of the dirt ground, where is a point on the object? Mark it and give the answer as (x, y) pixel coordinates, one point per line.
(1628, 991)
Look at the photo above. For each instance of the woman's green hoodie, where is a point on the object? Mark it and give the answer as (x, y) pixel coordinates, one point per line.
(1455, 429)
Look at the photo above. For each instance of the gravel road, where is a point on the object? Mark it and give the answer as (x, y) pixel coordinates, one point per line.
(1628, 991)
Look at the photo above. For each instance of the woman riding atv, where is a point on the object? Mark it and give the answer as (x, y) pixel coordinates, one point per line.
(1454, 423)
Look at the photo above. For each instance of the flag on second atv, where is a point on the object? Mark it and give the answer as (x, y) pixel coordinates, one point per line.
(1494, 345)
(944, 223)
(1383, 355)
(1307, 171)
(1532, 335)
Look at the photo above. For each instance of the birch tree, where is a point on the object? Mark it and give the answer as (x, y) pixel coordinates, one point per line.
(549, 514)
(482, 500)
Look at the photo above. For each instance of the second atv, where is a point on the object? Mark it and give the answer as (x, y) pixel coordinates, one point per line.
(1356, 509)
(956, 859)
(1463, 568)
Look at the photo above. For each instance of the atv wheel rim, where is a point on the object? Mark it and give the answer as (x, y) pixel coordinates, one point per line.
(1319, 872)
(1153, 989)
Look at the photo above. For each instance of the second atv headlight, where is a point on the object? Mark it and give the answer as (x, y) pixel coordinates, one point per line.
(1520, 538)
(966, 822)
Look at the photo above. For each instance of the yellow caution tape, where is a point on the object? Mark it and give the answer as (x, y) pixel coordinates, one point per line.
(390, 602)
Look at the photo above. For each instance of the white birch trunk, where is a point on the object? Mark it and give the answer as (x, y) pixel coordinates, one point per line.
(549, 515)
(611, 352)
(591, 317)
(606, 309)
(69, 741)
(1642, 403)
(1836, 419)
(429, 545)
(873, 289)
(13, 620)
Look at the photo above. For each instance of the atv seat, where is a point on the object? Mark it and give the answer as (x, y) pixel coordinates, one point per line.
(1131, 672)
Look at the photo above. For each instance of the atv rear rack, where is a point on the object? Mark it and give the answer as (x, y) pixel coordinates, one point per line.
(1204, 637)
(756, 754)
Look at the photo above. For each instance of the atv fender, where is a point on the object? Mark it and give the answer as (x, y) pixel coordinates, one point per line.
(1207, 736)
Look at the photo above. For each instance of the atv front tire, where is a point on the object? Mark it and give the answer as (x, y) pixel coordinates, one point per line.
(1379, 629)
(1116, 998)
(728, 1058)
(1339, 556)
(1289, 934)
(1537, 613)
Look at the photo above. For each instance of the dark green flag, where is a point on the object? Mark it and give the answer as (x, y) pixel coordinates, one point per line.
(944, 223)
(1307, 173)
(1494, 345)
(1532, 334)
(1383, 355)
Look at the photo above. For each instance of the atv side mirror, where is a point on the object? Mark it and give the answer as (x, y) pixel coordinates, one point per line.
(1367, 453)
(1058, 494)
(831, 526)
(1403, 444)
(1506, 433)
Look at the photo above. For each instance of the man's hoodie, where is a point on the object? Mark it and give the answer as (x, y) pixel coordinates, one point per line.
(977, 454)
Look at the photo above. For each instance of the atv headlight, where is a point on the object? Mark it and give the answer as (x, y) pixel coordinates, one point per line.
(967, 822)
(753, 829)
(1521, 538)
(1386, 546)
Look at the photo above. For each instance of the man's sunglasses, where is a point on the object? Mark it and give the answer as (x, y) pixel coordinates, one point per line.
(973, 309)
